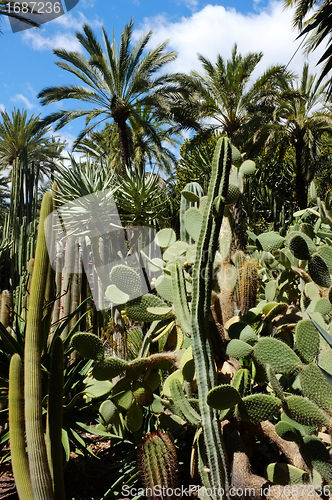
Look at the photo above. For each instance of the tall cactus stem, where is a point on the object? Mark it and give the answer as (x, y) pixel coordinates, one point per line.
(19, 456)
(39, 470)
(201, 341)
(54, 419)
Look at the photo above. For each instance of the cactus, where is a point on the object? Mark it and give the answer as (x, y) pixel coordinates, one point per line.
(233, 194)
(88, 345)
(122, 394)
(127, 280)
(277, 354)
(247, 286)
(193, 221)
(180, 299)
(200, 338)
(301, 246)
(286, 474)
(275, 384)
(109, 368)
(142, 394)
(319, 271)
(304, 411)
(323, 306)
(257, 408)
(182, 404)
(107, 411)
(165, 237)
(248, 335)
(39, 469)
(134, 417)
(20, 463)
(247, 169)
(223, 397)
(39, 474)
(315, 387)
(238, 349)
(137, 309)
(317, 456)
(54, 419)
(288, 432)
(157, 464)
(325, 252)
(307, 339)
(268, 242)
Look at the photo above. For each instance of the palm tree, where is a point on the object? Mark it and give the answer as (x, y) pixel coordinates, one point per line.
(318, 27)
(226, 95)
(301, 120)
(21, 136)
(237, 107)
(147, 146)
(118, 83)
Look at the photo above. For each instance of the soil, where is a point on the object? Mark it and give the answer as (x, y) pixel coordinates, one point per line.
(85, 477)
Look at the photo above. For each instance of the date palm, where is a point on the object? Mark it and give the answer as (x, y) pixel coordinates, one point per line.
(118, 83)
(301, 121)
(149, 142)
(21, 135)
(236, 106)
(227, 95)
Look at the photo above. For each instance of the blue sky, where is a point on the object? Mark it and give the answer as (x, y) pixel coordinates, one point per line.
(27, 64)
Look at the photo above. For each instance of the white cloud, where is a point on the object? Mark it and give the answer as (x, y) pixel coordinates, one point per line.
(70, 22)
(21, 98)
(38, 41)
(215, 29)
(2, 107)
(45, 39)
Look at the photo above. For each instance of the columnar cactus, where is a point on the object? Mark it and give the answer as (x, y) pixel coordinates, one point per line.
(39, 469)
(157, 465)
(200, 311)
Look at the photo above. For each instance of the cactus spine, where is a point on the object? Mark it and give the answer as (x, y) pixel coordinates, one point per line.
(39, 469)
(201, 300)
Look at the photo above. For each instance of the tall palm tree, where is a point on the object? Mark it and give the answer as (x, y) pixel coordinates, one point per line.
(117, 82)
(301, 119)
(318, 26)
(226, 94)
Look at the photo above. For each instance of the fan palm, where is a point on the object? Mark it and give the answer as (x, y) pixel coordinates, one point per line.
(117, 82)
(301, 119)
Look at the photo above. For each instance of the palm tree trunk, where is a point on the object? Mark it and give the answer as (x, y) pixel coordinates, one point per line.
(301, 189)
(239, 226)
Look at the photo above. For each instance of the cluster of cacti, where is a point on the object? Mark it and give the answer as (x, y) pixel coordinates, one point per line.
(259, 360)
